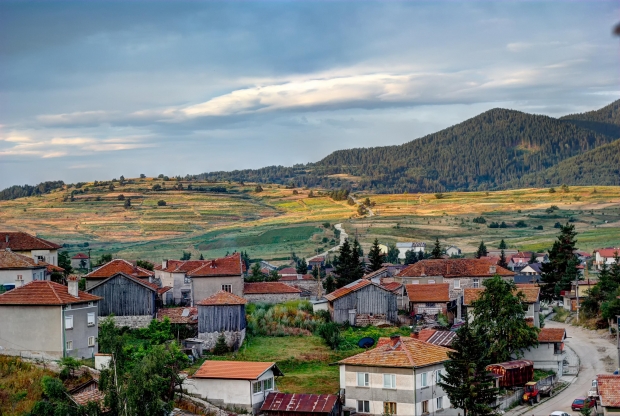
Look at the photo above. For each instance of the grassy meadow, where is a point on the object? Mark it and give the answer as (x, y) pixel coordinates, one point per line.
(272, 223)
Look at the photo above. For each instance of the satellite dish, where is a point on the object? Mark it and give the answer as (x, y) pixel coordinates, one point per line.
(366, 342)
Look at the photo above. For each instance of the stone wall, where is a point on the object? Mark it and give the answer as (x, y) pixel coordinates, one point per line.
(366, 320)
(272, 297)
(132, 322)
(234, 339)
(310, 287)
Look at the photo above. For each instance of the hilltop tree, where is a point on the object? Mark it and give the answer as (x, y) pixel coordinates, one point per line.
(258, 189)
(502, 245)
(482, 250)
(467, 382)
(127, 203)
(502, 260)
(375, 256)
(561, 269)
(436, 252)
(186, 255)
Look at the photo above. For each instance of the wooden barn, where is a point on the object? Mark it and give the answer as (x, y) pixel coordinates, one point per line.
(222, 313)
(132, 301)
(363, 303)
(513, 373)
(289, 404)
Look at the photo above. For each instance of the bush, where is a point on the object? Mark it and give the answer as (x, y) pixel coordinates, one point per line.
(439, 195)
(161, 203)
(520, 224)
(121, 197)
(538, 227)
(330, 332)
(220, 346)
(479, 220)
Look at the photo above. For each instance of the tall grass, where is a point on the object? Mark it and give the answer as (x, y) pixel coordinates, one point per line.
(20, 385)
(289, 318)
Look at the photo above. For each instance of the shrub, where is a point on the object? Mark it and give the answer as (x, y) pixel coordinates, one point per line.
(220, 346)
(479, 220)
(161, 203)
(121, 197)
(330, 332)
(551, 190)
(439, 195)
(520, 224)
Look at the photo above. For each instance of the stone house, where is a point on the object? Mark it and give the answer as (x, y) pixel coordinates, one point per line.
(80, 261)
(17, 269)
(549, 353)
(428, 299)
(531, 299)
(114, 267)
(30, 246)
(222, 313)
(270, 292)
(47, 320)
(399, 376)
(241, 384)
(363, 303)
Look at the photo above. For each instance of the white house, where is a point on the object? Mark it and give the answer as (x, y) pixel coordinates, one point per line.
(453, 251)
(606, 256)
(31, 246)
(398, 377)
(403, 248)
(531, 300)
(80, 261)
(549, 353)
(242, 384)
(17, 270)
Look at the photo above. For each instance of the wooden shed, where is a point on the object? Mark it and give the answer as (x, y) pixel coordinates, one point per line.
(513, 373)
(363, 303)
(287, 404)
(222, 313)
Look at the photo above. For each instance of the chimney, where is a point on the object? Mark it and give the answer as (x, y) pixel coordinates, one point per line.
(36, 259)
(164, 264)
(394, 340)
(72, 282)
(492, 269)
(422, 274)
(213, 265)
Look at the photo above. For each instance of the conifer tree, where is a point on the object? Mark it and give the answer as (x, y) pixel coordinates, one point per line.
(392, 254)
(302, 266)
(343, 264)
(482, 250)
(502, 260)
(375, 256)
(329, 284)
(561, 269)
(502, 245)
(532, 258)
(220, 345)
(411, 257)
(436, 253)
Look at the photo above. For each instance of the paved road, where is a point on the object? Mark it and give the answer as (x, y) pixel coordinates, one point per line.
(596, 357)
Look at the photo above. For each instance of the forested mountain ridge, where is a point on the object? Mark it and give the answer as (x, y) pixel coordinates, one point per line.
(493, 150)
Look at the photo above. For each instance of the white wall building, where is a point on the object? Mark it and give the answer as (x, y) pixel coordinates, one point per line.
(31, 246)
(403, 248)
(17, 269)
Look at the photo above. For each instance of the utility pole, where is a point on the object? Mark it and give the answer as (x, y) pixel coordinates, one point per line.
(618, 338)
(577, 293)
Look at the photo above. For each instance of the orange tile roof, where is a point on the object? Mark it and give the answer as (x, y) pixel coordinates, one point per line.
(290, 278)
(223, 298)
(345, 290)
(407, 353)
(19, 241)
(608, 252)
(87, 396)
(425, 334)
(439, 292)
(237, 370)
(175, 315)
(454, 268)
(118, 266)
(225, 266)
(44, 292)
(609, 389)
(287, 270)
(391, 286)
(268, 287)
(80, 256)
(11, 260)
(551, 335)
(530, 291)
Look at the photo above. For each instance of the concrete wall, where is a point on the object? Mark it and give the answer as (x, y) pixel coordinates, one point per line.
(81, 331)
(272, 297)
(49, 256)
(31, 331)
(28, 275)
(234, 339)
(544, 358)
(92, 282)
(311, 286)
(203, 287)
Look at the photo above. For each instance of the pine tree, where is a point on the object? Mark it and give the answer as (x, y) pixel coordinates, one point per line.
(220, 345)
(411, 257)
(329, 284)
(375, 256)
(482, 250)
(502, 260)
(561, 266)
(201, 257)
(436, 253)
(392, 254)
(466, 382)
(256, 275)
(343, 263)
(357, 266)
(421, 255)
(273, 276)
(532, 258)
(502, 245)
(302, 266)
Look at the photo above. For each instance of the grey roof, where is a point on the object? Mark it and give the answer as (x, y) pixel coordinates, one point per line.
(522, 278)
(410, 245)
(442, 338)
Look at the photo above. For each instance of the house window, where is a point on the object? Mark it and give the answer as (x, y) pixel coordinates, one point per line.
(69, 322)
(439, 403)
(227, 288)
(20, 277)
(389, 408)
(363, 379)
(438, 375)
(557, 347)
(389, 381)
(268, 384)
(257, 387)
(91, 319)
(41, 258)
(425, 407)
(415, 282)
(424, 381)
(431, 281)
(363, 406)
(91, 341)
(430, 304)
(69, 345)
(476, 283)
(187, 279)
(457, 284)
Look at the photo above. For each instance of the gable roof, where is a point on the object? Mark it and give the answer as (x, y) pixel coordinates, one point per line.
(119, 266)
(267, 288)
(455, 268)
(181, 315)
(235, 370)
(19, 241)
(223, 298)
(288, 271)
(299, 403)
(225, 266)
(44, 292)
(608, 252)
(345, 290)
(405, 353)
(609, 389)
(439, 292)
(391, 286)
(551, 335)
(80, 256)
(142, 282)
(535, 267)
(530, 291)
(11, 260)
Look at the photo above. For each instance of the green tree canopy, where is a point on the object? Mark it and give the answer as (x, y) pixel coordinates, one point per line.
(557, 274)
(375, 256)
(436, 252)
(482, 250)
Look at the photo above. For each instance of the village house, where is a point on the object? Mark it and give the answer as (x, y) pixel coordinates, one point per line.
(174, 273)
(531, 298)
(114, 267)
(362, 303)
(222, 313)
(498, 253)
(241, 384)
(459, 273)
(225, 274)
(30, 246)
(47, 320)
(182, 316)
(80, 261)
(428, 300)
(533, 269)
(399, 377)
(549, 353)
(291, 404)
(308, 285)
(581, 288)
(609, 392)
(132, 301)
(398, 289)
(270, 292)
(17, 269)
(606, 256)
(403, 248)
(318, 261)
(453, 251)
(516, 263)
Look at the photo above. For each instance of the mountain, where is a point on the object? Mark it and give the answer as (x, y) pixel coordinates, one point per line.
(493, 150)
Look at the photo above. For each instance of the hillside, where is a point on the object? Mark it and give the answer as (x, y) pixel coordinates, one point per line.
(490, 151)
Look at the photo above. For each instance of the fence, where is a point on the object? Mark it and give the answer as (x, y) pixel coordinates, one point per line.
(509, 399)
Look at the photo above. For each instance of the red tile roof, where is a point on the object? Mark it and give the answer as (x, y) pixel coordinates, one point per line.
(223, 298)
(80, 256)
(299, 403)
(391, 286)
(345, 290)
(175, 315)
(406, 353)
(551, 335)
(10, 260)
(608, 252)
(296, 277)
(236, 370)
(455, 268)
(44, 292)
(609, 389)
(225, 266)
(531, 293)
(19, 241)
(119, 266)
(439, 292)
(87, 396)
(267, 288)
(138, 280)
(51, 268)
(287, 270)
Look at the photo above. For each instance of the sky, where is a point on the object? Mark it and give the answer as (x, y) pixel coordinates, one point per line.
(94, 90)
